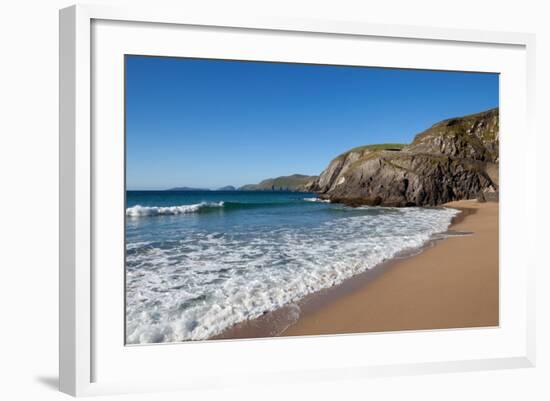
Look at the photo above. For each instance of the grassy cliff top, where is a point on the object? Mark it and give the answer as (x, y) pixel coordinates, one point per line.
(373, 148)
(450, 126)
(463, 125)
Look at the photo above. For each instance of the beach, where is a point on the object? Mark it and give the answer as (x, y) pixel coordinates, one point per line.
(291, 265)
(454, 283)
(451, 283)
(200, 262)
(315, 226)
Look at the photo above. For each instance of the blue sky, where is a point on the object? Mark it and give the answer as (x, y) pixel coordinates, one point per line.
(211, 123)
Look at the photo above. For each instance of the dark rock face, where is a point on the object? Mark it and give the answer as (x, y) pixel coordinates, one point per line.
(454, 159)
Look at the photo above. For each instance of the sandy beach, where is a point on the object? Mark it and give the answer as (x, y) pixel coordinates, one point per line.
(454, 283)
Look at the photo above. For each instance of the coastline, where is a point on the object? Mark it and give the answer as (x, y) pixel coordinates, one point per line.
(449, 283)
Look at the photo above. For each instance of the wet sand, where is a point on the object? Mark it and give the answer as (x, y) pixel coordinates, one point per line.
(453, 282)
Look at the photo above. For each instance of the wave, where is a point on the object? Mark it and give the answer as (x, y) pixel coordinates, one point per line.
(317, 200)
(141, 211)
(145, 211)
(194, 286)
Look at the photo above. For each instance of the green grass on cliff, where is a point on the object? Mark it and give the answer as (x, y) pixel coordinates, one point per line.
(379, 146)
(461, 125)
(374, 147)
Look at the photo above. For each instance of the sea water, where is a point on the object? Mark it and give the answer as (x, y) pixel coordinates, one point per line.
(198, 262)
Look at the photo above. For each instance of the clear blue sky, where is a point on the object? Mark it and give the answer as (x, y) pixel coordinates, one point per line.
(211, 123)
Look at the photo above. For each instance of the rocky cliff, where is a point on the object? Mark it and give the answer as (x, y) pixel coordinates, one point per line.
(454, 159)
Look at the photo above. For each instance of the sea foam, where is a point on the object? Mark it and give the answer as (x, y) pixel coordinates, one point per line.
(317, 200)
(140, 211)
(204, 282)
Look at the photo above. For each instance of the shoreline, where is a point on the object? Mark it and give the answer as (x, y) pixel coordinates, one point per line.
(408, 292)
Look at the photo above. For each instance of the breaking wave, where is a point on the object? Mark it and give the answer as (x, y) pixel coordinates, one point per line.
(202, 207)
(141, 211)
(317, 200)
(193, 286)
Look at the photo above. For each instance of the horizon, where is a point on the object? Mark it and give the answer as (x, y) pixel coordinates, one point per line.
(208, 124)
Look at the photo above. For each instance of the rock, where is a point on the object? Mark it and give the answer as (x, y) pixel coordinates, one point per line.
(454, 159)
(472, 137)
(481, 197)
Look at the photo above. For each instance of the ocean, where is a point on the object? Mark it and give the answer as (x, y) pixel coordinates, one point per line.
(198, 262)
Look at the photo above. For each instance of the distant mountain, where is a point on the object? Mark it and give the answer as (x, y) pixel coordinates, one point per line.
(295, 182)
(227, 188)
(187, 189)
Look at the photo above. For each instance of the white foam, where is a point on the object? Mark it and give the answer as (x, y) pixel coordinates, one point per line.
(141, 211)
(317, 200)
(205, 282)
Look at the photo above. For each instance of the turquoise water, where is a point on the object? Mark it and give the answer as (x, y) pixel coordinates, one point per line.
(198, 262)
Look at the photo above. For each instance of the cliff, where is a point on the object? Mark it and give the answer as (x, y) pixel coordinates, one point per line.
(452, 160)
(295, 182)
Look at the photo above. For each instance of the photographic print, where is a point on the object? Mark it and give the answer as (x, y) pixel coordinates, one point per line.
(268, 199)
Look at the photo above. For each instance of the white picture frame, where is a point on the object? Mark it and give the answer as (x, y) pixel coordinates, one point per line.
(90, 364)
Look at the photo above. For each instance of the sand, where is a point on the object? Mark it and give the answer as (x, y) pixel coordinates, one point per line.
(454, 283)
